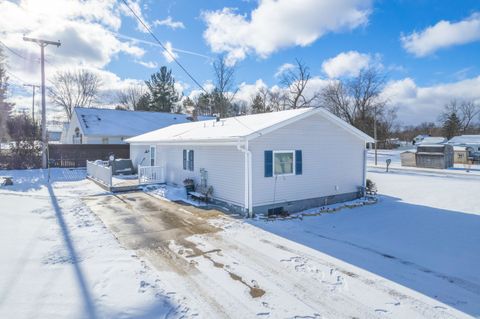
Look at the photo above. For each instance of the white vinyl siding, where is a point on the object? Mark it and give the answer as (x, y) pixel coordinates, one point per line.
(224, 164)
(332, 162)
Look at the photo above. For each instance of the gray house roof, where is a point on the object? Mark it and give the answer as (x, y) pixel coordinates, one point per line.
(109, 122)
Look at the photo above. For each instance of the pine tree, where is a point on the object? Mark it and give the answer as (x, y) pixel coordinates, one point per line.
(452, 125)
(163, 95)
(5, 107)
(258, 105)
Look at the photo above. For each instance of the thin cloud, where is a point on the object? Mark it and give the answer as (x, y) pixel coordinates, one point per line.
(169, 22)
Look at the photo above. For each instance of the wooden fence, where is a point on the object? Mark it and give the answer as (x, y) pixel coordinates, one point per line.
(77, 155)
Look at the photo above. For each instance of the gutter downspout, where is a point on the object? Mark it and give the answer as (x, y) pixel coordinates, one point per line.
(247, 177)
(364, 182)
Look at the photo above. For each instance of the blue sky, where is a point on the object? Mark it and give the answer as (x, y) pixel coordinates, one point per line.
(381, 35)
(428, 49)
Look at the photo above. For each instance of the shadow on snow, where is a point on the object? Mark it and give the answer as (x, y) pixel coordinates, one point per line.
(430, 250)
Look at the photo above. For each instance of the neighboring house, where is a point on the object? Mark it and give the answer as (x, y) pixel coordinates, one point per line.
(108, 126)
(419, 138)
(460, 155)
(472, 141)
(290, 160)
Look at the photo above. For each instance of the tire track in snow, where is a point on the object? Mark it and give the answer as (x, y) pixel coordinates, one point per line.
(467, 285)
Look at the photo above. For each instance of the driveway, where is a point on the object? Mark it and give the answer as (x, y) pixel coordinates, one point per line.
(221, 267)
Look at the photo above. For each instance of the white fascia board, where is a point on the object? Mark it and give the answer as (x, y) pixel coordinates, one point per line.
(196, 143)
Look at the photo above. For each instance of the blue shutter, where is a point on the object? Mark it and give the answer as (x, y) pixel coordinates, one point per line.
(185, 159)
(190, 160)
(268, 163)
(298, 162)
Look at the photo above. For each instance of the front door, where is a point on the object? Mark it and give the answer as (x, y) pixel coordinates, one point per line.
(153, 151)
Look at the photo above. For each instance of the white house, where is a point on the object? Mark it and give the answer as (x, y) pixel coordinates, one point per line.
(109, 126)
(469, 141)
(293, 159)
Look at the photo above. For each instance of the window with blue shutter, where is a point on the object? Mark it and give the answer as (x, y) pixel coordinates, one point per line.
(184, 159)
(298, 162)
(268, 158)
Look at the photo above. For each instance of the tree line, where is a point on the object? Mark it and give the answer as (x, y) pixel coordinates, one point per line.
(358, 100)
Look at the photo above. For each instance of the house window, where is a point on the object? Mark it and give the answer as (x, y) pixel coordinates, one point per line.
(104, 140)
(283, 162)
(77, 137)
(188, 160)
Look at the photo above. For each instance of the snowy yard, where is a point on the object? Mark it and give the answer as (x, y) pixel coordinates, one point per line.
(71, 251)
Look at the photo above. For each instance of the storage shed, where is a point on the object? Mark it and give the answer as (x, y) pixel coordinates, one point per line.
(435, 156)
(408, 158)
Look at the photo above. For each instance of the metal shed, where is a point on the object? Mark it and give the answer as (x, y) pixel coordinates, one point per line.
(435, 156)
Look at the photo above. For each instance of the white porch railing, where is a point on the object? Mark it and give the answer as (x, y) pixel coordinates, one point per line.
(151, 174)
(100, 172)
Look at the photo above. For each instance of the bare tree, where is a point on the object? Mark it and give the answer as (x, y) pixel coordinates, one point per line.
(5, 106)
(225, 91)
(277, 100)
(358, 100)
(336, 99)
(296, 81)
(466, 111)
(130, 97)
(71, 89)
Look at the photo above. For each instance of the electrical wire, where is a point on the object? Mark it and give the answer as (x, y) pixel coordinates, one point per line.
(16, 53)
(172, 56)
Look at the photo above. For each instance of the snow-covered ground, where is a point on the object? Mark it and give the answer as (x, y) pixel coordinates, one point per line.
(423, 234)
(58, 260)
(412, 255)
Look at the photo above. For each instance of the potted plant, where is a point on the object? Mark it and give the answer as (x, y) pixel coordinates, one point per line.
(189, 184)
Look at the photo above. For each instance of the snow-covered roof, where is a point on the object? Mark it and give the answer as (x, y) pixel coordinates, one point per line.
(459, 148)
(239, 127)
(465, 140)
(432, 140)
(109, 122)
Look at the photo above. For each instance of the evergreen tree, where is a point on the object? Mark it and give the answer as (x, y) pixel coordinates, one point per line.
(163, 95)
(452, 125)
(5, 107)
(143, 103)
(258, 105)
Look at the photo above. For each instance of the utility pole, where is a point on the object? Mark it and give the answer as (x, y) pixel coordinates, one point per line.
(33, 100)
(375, 132)
(43, 44)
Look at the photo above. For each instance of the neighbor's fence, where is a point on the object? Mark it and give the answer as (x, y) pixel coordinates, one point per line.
(151, 174)
(100, 172)
(77, 155)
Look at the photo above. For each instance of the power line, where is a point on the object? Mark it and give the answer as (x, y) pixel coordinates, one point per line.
(15, 76)
(172, 56)
(16, 53)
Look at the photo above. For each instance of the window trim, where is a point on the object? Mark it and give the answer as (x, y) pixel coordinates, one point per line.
(293, 163)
